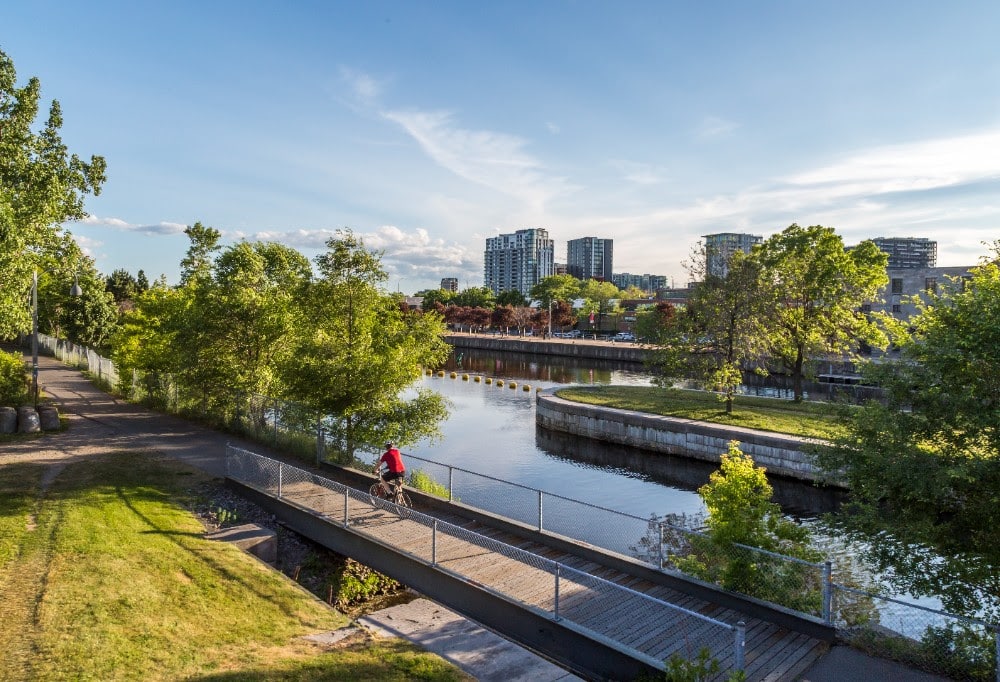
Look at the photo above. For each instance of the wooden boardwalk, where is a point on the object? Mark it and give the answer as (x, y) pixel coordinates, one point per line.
(588, 593)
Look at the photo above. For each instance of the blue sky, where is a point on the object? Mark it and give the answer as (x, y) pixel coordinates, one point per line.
(427, 127)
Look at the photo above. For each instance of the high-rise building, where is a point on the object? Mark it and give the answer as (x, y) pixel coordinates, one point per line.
(518, 261)
(590, 258)
(908, 252)
(449, 283)
(648, 283)
(719, 248)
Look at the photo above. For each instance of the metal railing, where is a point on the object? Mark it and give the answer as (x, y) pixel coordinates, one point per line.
(596, 607)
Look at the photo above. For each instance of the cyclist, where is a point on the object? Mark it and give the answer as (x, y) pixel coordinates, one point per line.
(394, 467)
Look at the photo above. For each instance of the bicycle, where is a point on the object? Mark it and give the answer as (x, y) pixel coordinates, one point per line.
(397, 495)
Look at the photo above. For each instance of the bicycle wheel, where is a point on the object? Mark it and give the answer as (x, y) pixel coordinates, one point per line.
(403, 504)
(376, 491)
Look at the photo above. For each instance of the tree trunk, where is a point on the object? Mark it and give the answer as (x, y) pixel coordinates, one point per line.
(797, 376)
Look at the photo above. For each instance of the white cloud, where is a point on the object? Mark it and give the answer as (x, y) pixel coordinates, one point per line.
(365, 89)
(119, 224)
(713, 126)
(495, 160)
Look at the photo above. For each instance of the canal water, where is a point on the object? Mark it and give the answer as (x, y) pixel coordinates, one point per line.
(491, 430)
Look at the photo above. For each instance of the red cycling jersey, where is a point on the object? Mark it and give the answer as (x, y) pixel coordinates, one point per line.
(393, 460)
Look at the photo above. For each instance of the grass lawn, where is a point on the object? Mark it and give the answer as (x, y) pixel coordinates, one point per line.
(105, 575)
(805, 419)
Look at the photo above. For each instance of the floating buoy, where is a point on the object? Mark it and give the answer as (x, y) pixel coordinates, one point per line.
(499, 382)
(488, 380)
(430, 372)
(477, 379)
(465, 377)
(453, 375)
(513, 385)
(441, 373)
(538, 390)
(526, 387)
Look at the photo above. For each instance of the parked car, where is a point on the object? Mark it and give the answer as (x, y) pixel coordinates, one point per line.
(623, 336)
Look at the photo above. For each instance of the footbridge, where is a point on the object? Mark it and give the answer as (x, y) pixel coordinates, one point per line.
(598, 613)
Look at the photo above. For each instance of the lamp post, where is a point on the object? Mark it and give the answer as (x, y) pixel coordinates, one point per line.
(74, 291)
(551, 301)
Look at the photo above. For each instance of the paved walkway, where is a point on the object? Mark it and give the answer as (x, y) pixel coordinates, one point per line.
(99, 424)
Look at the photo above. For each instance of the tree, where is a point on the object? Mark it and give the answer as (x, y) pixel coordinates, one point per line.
(719, 334)
(434, 297)
(818, 288)
(741, 512)
(924, 465)
(357, 352)
(475, 297)
(122, 285)
(511, 297)
(197, 263)
(599, 296)
(41, 185)
(556, 288)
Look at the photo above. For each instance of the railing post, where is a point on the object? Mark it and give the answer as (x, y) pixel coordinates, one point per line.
(451, 483)
(347, 499)
(996, 636)
(279, 480)
(434, 544)
(555, 611)
(539, 511)
(741, 637)
(659, 547)
(828, 593)
(276, 421)
(320, 445)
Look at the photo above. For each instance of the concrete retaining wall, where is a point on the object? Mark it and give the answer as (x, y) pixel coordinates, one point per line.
(780, 454)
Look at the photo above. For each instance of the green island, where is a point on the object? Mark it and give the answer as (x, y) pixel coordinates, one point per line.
(804, 419)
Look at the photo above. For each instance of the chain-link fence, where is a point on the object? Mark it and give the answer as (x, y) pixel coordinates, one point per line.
(642, 626)
(924, 638)
(671, 543)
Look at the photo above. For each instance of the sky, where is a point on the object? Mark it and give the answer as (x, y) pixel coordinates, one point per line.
(427, 127)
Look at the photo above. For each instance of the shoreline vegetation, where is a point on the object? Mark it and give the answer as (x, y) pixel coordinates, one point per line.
(822, 421)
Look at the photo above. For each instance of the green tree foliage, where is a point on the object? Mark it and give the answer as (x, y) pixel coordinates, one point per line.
(511, 297)
(122, 285)
(197, 263)
(225, 330)
(475, 297)
(924, 464)
(740, 512)
(601, 299)
(819, 287)
(720, 333)
(432, 298)
(357, 352)
(41, 185)
(556, 288)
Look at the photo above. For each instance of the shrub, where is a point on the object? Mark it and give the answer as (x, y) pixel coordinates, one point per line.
(13, 379)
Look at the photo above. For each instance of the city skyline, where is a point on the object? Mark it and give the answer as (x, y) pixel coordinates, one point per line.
(428, 128)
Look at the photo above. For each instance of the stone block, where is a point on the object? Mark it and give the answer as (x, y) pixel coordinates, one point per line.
(27, 419)
(48, 417)
(251, 537)
(8, 420)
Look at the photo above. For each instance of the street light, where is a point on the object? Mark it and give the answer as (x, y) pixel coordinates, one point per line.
(551, 301)
(75, 290)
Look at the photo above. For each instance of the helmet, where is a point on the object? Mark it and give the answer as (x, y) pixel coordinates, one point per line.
(388, 445)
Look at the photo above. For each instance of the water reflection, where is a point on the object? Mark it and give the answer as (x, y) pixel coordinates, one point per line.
(797, 499)
(550, 369)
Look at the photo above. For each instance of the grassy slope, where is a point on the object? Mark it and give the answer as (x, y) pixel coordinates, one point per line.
(106, 575)
(809, 420)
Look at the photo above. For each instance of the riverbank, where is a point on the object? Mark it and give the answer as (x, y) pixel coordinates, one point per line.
(589, 349)
(781, 454)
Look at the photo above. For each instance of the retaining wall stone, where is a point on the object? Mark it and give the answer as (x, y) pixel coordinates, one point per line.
(779, 454)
